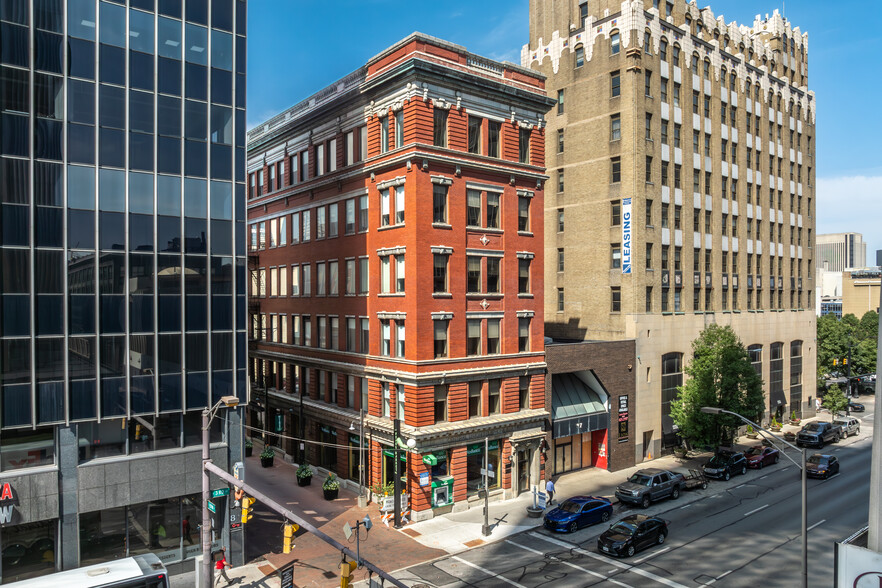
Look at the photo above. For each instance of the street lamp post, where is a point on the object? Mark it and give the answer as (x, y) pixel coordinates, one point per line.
(362, 501)
(208, 415)
(804, 513)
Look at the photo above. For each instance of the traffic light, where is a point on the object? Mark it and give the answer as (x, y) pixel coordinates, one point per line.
(290, 529)
(247, 502)
(835, 361)
(845, 361)
(346, 570)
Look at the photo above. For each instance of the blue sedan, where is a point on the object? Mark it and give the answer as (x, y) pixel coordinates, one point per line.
(577, 512)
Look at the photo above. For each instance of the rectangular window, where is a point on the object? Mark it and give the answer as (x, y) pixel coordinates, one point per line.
(399, 339)
(362, 143)
(560, 220)
(363, 276)
(523, 276)
(385, 338)
(350, 277)
(283, 281)
(385, 218)
(473, 274)
(334, 275)
(524, 214)
(560, 300)
(439, 134)
(399, 129)
(439, 205)
(615, 84)
(473, 337)
(320, 279)
(349, 227)
(321, 222)
(335, 334)
(440, 403)
(322, 329)
(647, 83)
(307, 330)
(333, 222)
(493, 346)
(295, 280)
(362, 213)
(399, 274)
(440, 273)
(664, 90)
(319, 160)
(492, 210)
(616, 213)
(523, 334)
(307, 279)
(560, 180)
(386, 400)
(560, 140)
(350, 148)
(399, 205)
(473, 208)
(475, 134)
(385, 274)
(493, 275)
(384, 134)
(648, 126)
(615, 256)
(615, 127)
(615, 299)
(614, 44)
(295, 228)
(273, 229)
(440, 338)
(365, 346)
(307, 229)
(560, 101)
(351, 335)
(475, 389)
(493, 129)
(615, 169)
(283, 231)
(524, 144)
(580, 56)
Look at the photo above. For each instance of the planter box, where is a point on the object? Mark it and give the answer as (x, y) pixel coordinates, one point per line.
(330, 494)
(304, 481)
(267, 462)
(248, 451)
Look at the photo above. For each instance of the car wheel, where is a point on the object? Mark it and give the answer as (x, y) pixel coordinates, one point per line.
(726, 476)
(661, 538)
(645, 502)
(761, 464)
(573, 527)
(604, 517)
(675, 493)
(845, 434)
(743, 470)
(776, 458)
(630, 551)
(835, 438)
(704, 485)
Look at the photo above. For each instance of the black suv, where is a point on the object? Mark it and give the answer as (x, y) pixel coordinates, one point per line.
(725, 464)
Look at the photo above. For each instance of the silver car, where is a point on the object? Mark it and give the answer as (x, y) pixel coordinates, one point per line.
(850, 426)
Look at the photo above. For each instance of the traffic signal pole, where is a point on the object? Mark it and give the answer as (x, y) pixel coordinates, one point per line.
(291, 516)
(207, 579)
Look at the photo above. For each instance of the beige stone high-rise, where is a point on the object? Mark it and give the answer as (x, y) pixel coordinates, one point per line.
(681, 156)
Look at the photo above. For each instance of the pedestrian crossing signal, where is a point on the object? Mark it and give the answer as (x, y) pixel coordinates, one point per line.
(247, 503)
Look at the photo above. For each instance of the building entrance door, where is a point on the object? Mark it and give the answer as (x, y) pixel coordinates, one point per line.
(563, 457)
(523, 471)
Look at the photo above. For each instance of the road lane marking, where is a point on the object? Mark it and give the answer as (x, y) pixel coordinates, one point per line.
(821, 522)
(724, 574)
(687, 506)
(756, 510)
(488, 572)
(716, 495)
(604, 559)
(572, 565)
(739, 486)
(653, 554)
(763, 477)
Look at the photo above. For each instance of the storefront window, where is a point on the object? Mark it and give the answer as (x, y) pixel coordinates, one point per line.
(328, 451)
(354, 457)
(26, 448)
(166, 527)
(141, 434)
(475, 467)
(28, 550)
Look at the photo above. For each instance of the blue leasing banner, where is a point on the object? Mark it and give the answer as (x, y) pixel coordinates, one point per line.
(626, 235)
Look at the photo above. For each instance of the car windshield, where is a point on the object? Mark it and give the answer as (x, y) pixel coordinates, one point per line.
(623, 528)
(817, 459)
(719, 460)
(570, 506)
(640, 479)
(812, 427)
(753, 451)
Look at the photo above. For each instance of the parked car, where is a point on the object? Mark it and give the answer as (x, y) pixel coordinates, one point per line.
(646, 486)
(577, 512)
(725, 464)
(821, 466)
(855, 406)
(632, 534)
(759, 456)
(849, 425)
(817, 433)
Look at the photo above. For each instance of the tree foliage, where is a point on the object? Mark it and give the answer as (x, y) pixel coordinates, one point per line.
(834, 337)
(720, 375)
(835, 400)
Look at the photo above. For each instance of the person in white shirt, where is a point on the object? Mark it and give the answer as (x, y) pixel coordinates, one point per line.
(549, 489)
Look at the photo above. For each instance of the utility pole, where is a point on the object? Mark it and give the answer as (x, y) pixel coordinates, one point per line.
(396, 472)
(485, 530)
(207, 578)
(874, 541)
(362, 501)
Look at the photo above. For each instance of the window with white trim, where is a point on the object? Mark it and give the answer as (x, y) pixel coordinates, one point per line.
(350, 277)
(321, 280)
(334, 277)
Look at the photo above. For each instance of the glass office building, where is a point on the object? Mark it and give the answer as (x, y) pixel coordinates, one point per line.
(122, 269)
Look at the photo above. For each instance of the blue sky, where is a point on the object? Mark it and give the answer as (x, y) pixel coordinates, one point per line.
(297, 47)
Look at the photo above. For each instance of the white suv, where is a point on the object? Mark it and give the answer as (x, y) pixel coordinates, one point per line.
(850, 425)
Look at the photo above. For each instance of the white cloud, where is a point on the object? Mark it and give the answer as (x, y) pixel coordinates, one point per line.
(851, 204)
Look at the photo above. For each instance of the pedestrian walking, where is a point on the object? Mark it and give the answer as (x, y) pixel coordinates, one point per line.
(185, 529)
(549, 489)
(220, 568)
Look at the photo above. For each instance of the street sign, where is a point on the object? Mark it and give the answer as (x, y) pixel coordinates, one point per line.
(211, 506)
(220, 492)
(424, 478)
(347, 530)
(286, 577)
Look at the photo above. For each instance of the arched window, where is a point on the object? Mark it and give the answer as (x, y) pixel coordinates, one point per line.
(689, 24)
(755, 352)
(707, 69)
(676, 56)
(580, 56)
(732, 80)
(779, 101)
(756, 92)
(614, 43)
(663, 49)
(796, 377)
(694, 65)
(671, 379)
(647, 42)
(750, 54)
(699, 26)
(776, 378)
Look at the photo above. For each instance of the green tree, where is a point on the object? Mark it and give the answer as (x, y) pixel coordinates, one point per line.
(719, 374)
(834, 400)
(834, 337)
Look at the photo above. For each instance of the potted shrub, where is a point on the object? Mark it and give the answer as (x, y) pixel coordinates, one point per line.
(266, 457)
(680, 452)
(249, 447)
(751, 432)
(794, 420)
(790, 437)
(775, 425)
(304, 474)
(331, 486)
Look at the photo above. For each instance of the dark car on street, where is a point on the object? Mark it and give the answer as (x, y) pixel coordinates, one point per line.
(759, 456)
(632, 534)
(577, 512)
(725, 464)
(855, 406)
(821, 466)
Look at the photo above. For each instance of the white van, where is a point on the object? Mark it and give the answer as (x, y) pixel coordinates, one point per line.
(850, 425)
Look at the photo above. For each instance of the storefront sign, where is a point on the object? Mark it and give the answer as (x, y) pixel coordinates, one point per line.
(623, 419)
(479, 447)
(626, 235)
(424, 478)
(7, 504)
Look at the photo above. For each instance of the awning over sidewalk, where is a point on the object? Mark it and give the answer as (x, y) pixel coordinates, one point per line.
(577, 407)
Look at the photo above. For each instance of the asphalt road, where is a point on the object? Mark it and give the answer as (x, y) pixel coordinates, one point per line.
(742, 533)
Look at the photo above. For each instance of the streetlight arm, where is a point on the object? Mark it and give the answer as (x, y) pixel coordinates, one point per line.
(715, 410)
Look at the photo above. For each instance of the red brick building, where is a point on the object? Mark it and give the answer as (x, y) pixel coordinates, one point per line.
(396, 230)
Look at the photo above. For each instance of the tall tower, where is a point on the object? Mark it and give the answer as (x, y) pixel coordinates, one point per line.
(681, 153)
(122, 170)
